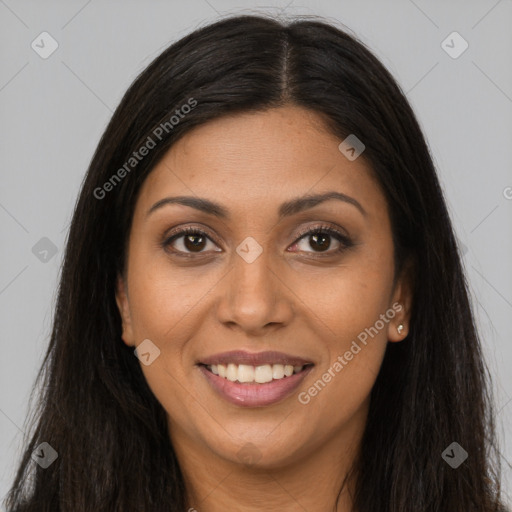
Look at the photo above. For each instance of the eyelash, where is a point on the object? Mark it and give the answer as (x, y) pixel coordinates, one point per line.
(345, 241)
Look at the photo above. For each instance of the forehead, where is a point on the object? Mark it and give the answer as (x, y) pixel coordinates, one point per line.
(262, 157)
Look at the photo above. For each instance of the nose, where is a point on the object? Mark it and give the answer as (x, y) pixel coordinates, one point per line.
(255, 298)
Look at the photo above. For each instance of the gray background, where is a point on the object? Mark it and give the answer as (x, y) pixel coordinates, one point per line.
(54, 111)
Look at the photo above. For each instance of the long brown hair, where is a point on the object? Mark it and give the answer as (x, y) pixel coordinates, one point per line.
(96, 409)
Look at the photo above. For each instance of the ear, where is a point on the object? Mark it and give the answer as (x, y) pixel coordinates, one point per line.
(401, 303)
(124, 310)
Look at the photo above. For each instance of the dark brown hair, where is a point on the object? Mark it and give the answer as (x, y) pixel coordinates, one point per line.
(96, 409)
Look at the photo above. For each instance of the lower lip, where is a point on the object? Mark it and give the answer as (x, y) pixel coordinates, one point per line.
(255, 395)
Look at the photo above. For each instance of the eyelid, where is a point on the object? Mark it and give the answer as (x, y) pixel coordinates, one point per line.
(324, 227)
(341, 236)
(174, 234)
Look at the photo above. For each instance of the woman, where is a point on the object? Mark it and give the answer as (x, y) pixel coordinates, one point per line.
(262, 305)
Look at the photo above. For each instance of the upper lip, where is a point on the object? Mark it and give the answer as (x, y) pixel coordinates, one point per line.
(254, 358)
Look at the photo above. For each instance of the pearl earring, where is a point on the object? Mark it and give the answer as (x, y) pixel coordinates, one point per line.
(400, 328)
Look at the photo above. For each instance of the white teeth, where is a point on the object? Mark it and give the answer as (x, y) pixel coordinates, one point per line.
(277, 371)
(245, 373)
(263, 374)
(232, 372)
(259, 374)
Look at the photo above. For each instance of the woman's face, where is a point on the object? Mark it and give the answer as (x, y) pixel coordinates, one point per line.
(256, 296)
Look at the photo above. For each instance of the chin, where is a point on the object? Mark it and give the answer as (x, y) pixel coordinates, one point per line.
(259, 452)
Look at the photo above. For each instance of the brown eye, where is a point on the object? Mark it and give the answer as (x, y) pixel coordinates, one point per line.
(320, 240)
(188, 241)
(194, 243)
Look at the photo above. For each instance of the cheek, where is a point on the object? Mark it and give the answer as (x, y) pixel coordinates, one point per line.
(163, 298)
(350, 308)
(168, 306)
(354, 345)
(163, 309)
(350, 297)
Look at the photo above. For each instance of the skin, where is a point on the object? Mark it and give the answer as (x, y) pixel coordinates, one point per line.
(293, 298)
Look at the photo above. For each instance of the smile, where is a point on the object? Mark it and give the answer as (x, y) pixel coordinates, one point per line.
(254, 380)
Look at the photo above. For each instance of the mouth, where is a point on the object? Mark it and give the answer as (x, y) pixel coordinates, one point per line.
(254, 380)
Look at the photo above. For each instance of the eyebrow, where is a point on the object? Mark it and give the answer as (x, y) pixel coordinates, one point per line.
(286, 209)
